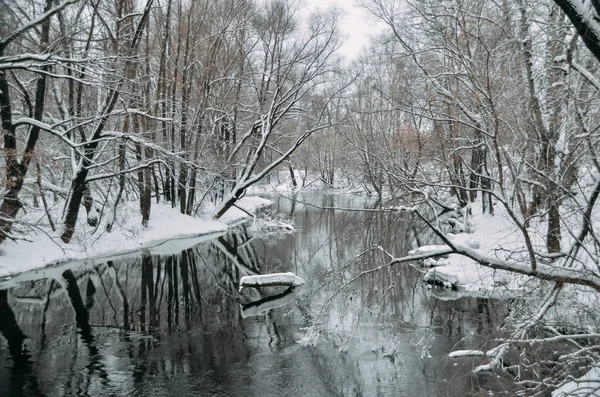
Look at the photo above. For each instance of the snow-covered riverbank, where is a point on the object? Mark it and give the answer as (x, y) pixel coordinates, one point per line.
(493, 237)
(166, 223)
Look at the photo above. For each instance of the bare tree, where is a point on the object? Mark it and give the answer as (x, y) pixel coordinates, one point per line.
(287, 71)
(16, 169)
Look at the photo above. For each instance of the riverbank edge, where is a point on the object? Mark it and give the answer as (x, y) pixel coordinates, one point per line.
(493, 236)
(167, 224)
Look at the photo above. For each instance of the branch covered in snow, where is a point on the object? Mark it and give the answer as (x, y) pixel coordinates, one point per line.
(544, 271)
(34, 22)
(584, 19)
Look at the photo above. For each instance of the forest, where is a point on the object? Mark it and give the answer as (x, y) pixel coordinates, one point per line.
(487, 107)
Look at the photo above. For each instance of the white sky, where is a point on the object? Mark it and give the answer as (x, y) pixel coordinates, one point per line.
(356, 24)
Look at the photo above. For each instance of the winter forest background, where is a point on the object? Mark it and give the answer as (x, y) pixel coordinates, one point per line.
(109, 107)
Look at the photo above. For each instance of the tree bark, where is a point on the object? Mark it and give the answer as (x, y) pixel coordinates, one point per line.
(78, 187)
(590, 34)
(15, 171)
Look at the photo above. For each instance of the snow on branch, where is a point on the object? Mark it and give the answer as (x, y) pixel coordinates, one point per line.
(48, 128)
(143, 114)
(561, 274)
(556, 338)
(434, 250)
(30, 60)
(144, 142)
(583, 17)
(587, 75)
(496, 354)
(47, 185)
(543, 271)
(34, 22)
(125, 171)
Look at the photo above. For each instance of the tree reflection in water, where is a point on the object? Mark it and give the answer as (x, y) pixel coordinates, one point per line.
(175, 323)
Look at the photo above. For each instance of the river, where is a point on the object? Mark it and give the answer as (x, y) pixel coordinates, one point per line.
(176, 325)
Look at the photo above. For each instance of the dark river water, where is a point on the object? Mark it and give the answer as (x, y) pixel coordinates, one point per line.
(175, 324)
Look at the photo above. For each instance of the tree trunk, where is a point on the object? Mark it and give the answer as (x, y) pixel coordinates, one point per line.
(78, 186)
(553, 234)
(15, 171)
(293, 176)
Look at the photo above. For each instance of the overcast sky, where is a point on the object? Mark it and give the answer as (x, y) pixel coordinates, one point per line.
(356, 25)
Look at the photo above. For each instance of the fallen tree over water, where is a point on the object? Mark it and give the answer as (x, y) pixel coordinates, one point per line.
(271, 280)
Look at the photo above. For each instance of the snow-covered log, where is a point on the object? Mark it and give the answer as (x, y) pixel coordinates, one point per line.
(466, 353)
(273, 279)
(496, 362)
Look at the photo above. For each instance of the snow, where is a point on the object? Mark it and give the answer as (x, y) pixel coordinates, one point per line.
(585, 73)
(425, 249)
(586, 385)
(495, 237)
(466, 353)
(47, 185)
(431, 262)
(587, 14)
(235, 215)
(165, 225)
(501, 246)
(272, 279)
(496, 361)
(493, 353)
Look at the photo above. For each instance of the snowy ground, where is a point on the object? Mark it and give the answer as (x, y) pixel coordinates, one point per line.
(494, 236)
(587, 385)
(165, 224)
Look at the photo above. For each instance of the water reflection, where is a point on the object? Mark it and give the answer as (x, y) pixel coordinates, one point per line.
(177, 324)
(265, 304)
